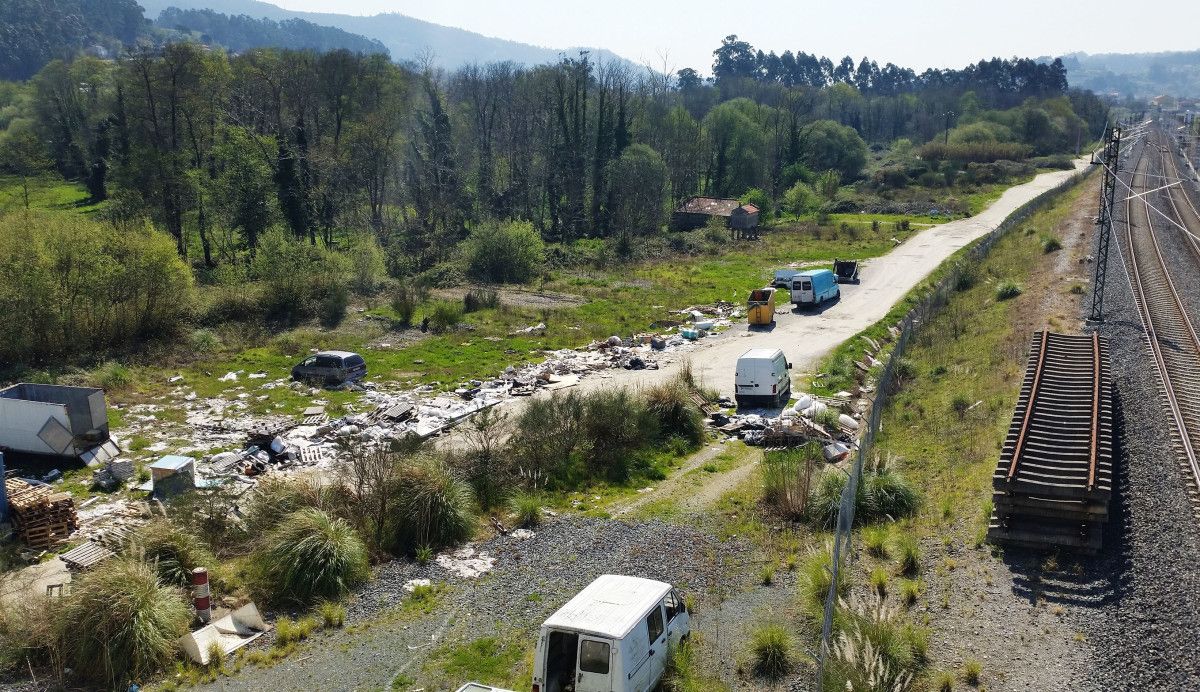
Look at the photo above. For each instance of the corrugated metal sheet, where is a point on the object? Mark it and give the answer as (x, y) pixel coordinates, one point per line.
(711, 206)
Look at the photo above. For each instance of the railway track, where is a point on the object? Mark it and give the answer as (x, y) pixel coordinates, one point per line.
(1054, 478)
(1172, 340)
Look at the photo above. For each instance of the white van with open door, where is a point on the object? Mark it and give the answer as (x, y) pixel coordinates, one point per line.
(613, 636)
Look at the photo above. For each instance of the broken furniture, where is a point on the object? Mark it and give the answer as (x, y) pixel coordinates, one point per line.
(231, 633)
(41, 517)
(172, 475)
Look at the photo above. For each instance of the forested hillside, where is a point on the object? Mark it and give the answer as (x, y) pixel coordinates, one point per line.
(314, 173)
(1143, 75)
(239, 32)
(33, 32)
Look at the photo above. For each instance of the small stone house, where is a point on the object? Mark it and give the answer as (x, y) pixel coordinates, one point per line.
(695, 213)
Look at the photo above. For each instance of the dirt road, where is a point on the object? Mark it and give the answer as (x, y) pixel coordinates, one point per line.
(806, 336)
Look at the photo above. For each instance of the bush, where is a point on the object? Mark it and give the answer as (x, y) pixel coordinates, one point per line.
(172, 552)
(112, 376)
(1051, 244)
(436, 506)
(960, 403)
(275, 498)
(311, 556)
(548, 433)
(405, 300)
(479, 299)
(671, 405)
(888, 495)
(121, 623)
(71, 286)
(204, 342)
(783, 474)
(1006, 290)
(332, 309)
(297, 276)
(444, 316)
(875, 649)
(771, 646)
(528, 509)
(504, 252)
(366, 262)
(617, 425)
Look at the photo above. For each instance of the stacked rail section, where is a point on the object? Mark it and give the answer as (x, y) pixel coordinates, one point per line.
(1055, 475)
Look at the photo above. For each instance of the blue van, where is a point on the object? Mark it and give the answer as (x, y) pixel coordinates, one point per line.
(814, 287)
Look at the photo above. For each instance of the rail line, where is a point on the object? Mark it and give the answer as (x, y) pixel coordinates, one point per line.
(1172, 340)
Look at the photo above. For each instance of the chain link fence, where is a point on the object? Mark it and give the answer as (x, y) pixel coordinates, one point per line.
(920, 314)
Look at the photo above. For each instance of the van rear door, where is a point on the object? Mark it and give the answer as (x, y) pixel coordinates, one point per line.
(595, 665)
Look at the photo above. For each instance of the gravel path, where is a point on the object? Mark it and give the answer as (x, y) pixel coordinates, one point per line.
(1143, 614)
(559, 560)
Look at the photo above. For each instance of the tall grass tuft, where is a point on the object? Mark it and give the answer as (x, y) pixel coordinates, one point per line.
(527, 508)
(771, 646)
(478, 299)
(876, 642)
(311, 556)
(121, 623)
(1006, 290)
(275, 498)
(173, 552)
(436, 506)
(785, 474)
(816, 575)
(888, 495)
(444, 316)
(907, 553)
(875, 540)
(671, 405)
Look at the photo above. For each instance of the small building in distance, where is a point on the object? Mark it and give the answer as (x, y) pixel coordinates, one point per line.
(695, 213)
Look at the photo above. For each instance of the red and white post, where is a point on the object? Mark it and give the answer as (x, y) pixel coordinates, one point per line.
(201, 594)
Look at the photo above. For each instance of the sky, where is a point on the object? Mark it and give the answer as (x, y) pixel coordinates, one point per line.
(910, 33)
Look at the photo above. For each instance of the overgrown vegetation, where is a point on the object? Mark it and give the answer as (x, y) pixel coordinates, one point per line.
(311, 556)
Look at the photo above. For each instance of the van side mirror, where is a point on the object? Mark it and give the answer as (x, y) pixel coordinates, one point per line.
(789, 366)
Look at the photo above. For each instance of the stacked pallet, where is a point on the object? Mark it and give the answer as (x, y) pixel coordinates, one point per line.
(41, 517)
(1054, 478)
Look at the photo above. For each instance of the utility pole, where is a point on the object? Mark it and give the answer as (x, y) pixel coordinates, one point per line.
(1110, 160)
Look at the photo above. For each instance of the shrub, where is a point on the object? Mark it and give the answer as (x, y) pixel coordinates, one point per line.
(444, 316)
(1006, 290)
(887, 494)
(478, 299)
(332, 614)
(435, 506)
(332, 309)
(172, 552)
(826, 500)
(311, 556)
(972, 669)
(423, 555)
(528, 509)
(771, 646)
(784, 472)
(966, 279)
(275, 498)
(671, 405)
(907, 552)
(1051, 244)
(366, 262)
(871, 623)
(504, 252)
(960, 403)
(875, 540)
(204, 342)
(405, 300)
(548, 433)
(112, 376)
(121, 623)
(616, 425)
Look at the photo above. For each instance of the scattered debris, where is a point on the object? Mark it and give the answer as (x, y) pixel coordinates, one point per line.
(466, 562)
(231, 633)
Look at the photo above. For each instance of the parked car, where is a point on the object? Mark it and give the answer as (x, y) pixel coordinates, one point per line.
(762, 378)
(812, 288)
(331, 368)
(761, 306)
(783, 278)
(613, 636)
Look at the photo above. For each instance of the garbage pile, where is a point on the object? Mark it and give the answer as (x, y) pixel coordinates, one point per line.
(804, 422)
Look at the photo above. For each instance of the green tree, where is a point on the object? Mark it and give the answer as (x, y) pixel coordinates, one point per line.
(830, 146)
(22, 153)
(637, 181)
(503, 252)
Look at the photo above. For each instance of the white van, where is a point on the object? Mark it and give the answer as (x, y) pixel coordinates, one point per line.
(762, 379)
(611, 637)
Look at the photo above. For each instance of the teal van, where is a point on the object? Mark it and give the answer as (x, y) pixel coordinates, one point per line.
(814, 287)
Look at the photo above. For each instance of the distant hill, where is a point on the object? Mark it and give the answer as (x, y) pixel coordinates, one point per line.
(1136, 74)
(240, 32)
(34, 32)
(406, 38)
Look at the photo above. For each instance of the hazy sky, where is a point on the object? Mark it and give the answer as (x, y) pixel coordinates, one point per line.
(910, 33)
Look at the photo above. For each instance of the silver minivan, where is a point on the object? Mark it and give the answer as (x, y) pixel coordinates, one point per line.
(331, 368)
